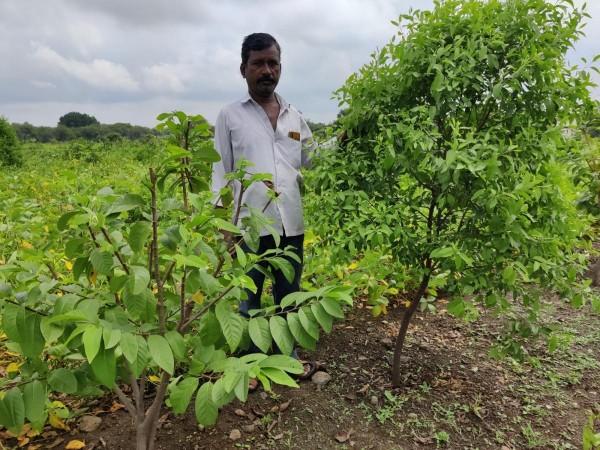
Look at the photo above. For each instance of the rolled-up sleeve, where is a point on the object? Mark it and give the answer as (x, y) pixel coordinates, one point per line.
(223, 147)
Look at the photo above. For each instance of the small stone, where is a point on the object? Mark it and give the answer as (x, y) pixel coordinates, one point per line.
(235, 434)
(240, 412)
(362, 358)
(248, 428)
(264, 395)
(374, 400)
(321, 378)
(87, 423)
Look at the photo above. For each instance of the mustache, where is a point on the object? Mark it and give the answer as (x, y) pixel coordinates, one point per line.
(269, 79)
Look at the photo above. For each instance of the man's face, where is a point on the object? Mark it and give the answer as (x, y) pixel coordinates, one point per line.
(262, 71)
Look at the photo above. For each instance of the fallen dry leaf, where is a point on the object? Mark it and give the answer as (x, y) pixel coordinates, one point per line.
(56, 442)
(278, 436)
(57, 422)
(75, 445)
(116, 406)
(285, 405)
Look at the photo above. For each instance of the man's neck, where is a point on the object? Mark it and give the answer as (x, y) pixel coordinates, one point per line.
(264, 101)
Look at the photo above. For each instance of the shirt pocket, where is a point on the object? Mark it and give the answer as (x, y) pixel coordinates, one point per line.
(291, 148)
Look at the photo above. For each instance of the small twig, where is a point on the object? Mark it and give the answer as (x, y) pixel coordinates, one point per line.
(183, 327)
(116, 252)
(12, 302)
(52, 271)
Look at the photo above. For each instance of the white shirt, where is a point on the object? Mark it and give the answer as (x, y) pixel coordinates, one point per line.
(243, 131)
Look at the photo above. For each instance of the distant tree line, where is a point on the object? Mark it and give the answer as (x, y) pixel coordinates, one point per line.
(75, 125)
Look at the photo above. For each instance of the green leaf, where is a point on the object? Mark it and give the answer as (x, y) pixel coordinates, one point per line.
(225, 225)
(111, 337)
(457, 307)
(62, 380)
(324, 319)
(206, 410)
(34, 398)
(181, 394)
(63, 221)
(258, 328)
(308, 321)
(50, 331)
(301, 336)
(138, 235)
(129, 347)
(231, 323)
(126, 203)
(332, 308)
(92, 339)
(177, 344)
(279, 377)
(102, 262)
(23, 327)
(104, 367)
(161, 353)
(143, 356)
(220, 396)
(208, 154)
(281, 335)
(12, 411)
(284, 266)
(139, 279)
(74, 247)
(296, 298)
(444, 252)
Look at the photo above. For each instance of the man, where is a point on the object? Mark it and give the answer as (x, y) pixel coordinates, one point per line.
(265, 130)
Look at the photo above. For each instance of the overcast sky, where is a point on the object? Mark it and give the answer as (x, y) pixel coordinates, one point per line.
(129, 60)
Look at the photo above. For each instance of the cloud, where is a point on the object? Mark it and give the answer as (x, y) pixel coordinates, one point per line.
(98, 73)
(130, 60)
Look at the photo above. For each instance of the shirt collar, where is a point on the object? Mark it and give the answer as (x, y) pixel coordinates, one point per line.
(284, 105)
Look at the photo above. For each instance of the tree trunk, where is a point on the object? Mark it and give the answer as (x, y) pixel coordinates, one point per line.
(396, 373)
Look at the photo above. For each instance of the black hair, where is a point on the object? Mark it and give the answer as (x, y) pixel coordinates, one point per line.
(257, 42)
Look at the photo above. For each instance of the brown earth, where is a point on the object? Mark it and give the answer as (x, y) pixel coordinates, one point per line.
(454, 395)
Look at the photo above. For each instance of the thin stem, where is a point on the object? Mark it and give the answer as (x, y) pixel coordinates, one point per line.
(116, 252)
(126, 401)
(205, 308)
(155, 257)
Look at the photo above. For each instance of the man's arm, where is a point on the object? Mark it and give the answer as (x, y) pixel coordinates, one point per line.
(223, 147)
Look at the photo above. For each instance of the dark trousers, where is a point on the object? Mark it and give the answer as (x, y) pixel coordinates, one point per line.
(281, 286)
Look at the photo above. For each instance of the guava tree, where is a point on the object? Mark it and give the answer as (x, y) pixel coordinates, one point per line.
(456, 156)
(147, 305)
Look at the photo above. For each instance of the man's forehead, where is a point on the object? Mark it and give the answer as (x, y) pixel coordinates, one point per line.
(266, 53)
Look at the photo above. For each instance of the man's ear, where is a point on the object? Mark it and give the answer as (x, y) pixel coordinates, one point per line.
(243, 70)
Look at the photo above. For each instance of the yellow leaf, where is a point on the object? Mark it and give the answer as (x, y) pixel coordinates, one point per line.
(25, 244)
(153, 378)
(353, 265)
(75, 445)
(339, 274)
(57, 404)
(13, 367)
(68, 265)
(46, 228)
(23, 441)
(93, 277)
(198, 297)
(57, 422)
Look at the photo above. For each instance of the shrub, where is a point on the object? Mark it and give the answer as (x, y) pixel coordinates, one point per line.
(9, 145)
